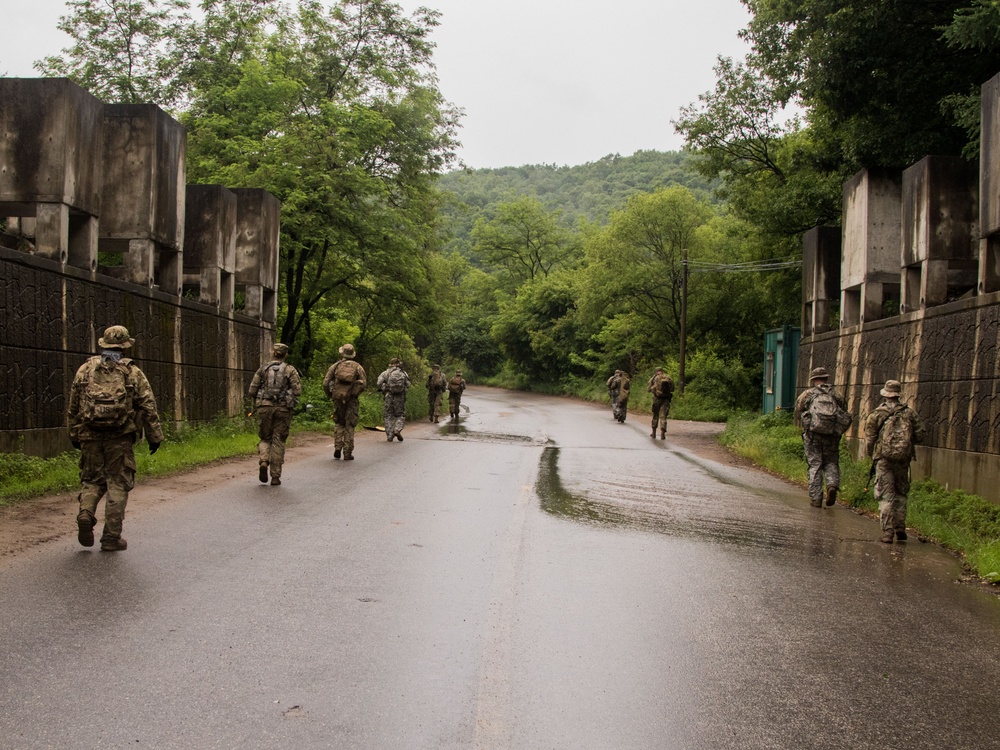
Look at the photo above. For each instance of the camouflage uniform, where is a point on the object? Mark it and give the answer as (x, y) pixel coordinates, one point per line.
(619, 386)
(892, 478)
(436, 385)
(456, 387)
(822, 451)
(274, 412)
(394, 404)
(107, 458)
(345, 407)
(662, 388)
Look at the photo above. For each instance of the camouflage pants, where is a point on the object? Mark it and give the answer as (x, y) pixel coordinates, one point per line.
(345, 419)
(454, 402)
(434, 404)
(107, 467)
(661, 408)
(892, 485)
(394, 413)
(275, 422)
(823, 458)
(620, 410)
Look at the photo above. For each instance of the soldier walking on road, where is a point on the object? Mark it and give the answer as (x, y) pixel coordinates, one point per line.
(619, 389)
(275, 388)
(343, 383)
(111, 406)
(892, 432)
(661, 386)
(436, 385)
(394, 383)
(822, 414)
(456, 387)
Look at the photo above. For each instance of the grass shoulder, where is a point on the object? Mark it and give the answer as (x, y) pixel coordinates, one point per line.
(964, 523)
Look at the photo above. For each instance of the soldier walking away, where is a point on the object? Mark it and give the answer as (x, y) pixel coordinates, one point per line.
(436, 386)
(394, 383)
(111, 407)
(275, 388)
(343, 383)
(661, 386)
(822, 414)
(892, 432)
(619, 388)
(456, 387)
(614, 384)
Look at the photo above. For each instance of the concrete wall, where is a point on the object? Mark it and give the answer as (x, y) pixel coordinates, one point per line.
(944, 346)
(77, 175)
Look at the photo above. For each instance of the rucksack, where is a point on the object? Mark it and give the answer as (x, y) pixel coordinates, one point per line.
(395, 381)
(275, 383)
(455, 386)
(663, 387)
(106, 402)
(345, 376)
(895, 439)
(825, 417)
(437, 381)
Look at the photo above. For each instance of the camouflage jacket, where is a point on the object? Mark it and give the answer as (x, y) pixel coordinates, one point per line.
(436, 383)
(142, 416)
(291, 385)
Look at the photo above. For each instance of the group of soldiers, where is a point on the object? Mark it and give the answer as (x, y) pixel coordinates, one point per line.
(112, 407)
(891, 432)
(660, 385)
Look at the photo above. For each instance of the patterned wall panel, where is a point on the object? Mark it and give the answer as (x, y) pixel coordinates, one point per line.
(36, 368)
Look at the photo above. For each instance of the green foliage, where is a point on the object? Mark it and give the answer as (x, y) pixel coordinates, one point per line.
(125, 51)
(24, 476)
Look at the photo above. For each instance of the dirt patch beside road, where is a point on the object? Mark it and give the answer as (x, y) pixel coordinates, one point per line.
(30, 523)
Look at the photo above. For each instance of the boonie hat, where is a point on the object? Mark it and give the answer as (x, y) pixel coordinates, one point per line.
(347, 351)
(115, 337)
(892, 389)
(281, 349)
(394, 361)
(819, 372)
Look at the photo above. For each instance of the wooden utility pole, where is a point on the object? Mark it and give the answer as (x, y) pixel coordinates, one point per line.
(684, 320)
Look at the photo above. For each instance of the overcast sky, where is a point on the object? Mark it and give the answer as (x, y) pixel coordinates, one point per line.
(540, 81)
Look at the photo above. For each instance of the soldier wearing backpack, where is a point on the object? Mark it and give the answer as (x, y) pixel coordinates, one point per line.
(892, 432)
(456, 387)
(394, 382)
(275, 388)
(343, 383)
(661, 386)
(111, 407)
(436, 386)
(822, 414)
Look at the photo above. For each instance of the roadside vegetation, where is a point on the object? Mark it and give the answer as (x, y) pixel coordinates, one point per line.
(964, 523)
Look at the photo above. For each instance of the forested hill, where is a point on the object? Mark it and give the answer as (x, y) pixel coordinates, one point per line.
(591, 191)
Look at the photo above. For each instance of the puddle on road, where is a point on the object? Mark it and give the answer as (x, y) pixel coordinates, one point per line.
(453, 428)
(680, 510)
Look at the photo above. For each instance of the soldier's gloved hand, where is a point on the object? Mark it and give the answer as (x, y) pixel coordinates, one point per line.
(153, 447)
(75, 444)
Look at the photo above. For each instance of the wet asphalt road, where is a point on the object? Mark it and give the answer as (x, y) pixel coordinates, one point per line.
(538, 577)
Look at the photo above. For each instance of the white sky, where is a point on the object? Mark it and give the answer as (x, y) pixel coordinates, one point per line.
(541, 81)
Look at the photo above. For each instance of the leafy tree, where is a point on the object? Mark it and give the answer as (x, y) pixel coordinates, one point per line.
(524, 241)
(873, 74)
(123, 50)
(635, 264)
